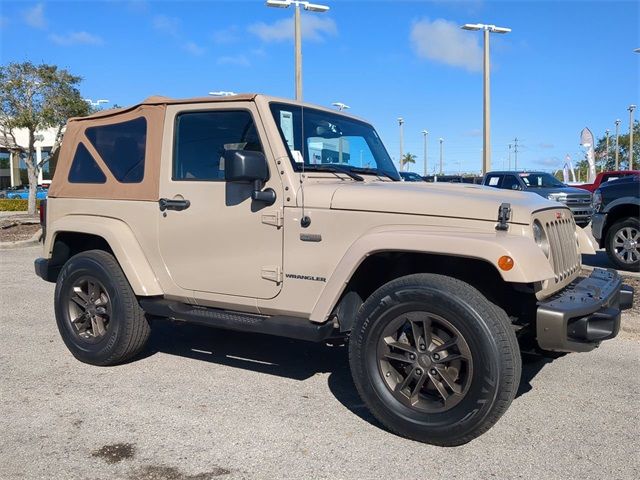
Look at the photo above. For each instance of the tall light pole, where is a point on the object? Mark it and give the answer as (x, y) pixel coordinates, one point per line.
(400, 123)
(617, 122)
(509, 156)
(631, 109)
(311, 7)
(425, 134)
(486, 141)
(606, 132)
(441, 148)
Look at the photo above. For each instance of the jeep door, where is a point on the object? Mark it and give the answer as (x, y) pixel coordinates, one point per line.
(223, 242)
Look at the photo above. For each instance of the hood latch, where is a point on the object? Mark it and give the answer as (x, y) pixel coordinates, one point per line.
(504, 215)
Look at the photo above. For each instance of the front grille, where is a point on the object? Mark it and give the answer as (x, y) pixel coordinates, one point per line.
(564, 248)
(577, 200)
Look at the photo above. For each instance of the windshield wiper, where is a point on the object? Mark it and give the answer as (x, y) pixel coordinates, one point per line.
(332, 167)
(374, 171)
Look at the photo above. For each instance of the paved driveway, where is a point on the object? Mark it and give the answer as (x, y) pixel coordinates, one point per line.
(203, 404)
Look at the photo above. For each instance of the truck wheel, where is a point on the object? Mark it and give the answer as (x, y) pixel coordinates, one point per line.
(433, 359)
(97, 313)
(623, 244)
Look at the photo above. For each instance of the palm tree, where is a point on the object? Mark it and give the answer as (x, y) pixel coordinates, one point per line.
(407, 158)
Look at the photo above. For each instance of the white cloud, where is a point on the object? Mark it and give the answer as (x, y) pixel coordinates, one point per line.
(314, 28)
(76, 38)
(445, 42)
(193, 48)
(34, 16)
(226, 35)
(168, 25)
(238, 60)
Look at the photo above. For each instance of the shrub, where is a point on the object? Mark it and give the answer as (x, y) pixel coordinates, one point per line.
(15, 205)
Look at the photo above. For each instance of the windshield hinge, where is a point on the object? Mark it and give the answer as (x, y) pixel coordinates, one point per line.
(504, 215)
(276, 218)
(272, 273)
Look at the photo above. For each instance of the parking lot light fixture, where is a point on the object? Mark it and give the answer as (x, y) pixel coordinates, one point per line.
(441, 150)
(340, 106)
(311, 7)
(487, 29)
(97, 103)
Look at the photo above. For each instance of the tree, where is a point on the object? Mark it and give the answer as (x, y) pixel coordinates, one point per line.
(407, 158)
(609, 163)
(37, 97)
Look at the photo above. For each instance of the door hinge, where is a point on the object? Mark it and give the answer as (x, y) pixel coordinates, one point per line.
(272, 273)
(275, 218)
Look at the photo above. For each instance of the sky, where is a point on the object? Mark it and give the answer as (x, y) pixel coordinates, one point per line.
(566, 65)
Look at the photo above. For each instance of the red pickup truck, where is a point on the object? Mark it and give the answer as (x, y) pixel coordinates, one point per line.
(603, 177)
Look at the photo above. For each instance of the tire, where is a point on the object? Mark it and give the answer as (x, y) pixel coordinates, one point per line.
(488, 379)
(97, 313)
(623, 244)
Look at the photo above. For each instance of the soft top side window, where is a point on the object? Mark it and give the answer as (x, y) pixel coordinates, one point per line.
(122, 148)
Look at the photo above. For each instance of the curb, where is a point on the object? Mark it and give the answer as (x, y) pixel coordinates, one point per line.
(34, 240)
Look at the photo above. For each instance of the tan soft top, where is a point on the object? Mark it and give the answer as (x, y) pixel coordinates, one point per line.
(153, 111)
(161, 100)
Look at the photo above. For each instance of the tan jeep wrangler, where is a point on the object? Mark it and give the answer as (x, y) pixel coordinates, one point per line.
(266, 215)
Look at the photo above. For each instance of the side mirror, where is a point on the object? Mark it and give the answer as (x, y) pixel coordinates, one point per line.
(516, 187)
(246, 166)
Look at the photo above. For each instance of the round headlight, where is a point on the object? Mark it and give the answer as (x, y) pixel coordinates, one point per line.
(540, 237)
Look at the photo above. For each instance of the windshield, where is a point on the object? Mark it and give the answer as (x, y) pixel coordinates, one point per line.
(540, 180)
(327, 141)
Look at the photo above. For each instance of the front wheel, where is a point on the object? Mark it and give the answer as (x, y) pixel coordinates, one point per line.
(433, 359)
(623, 244)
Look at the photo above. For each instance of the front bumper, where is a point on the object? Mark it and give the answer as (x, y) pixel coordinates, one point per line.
(583, 314)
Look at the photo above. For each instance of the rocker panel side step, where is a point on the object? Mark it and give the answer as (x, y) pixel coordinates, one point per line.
(290, 327)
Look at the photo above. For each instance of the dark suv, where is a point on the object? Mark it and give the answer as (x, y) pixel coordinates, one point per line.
(615, 223)
(545, 185)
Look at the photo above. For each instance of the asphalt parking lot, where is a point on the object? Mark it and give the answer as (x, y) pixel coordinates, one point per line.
(202, 403)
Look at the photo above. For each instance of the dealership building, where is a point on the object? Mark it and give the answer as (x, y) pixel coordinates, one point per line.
(13, 169)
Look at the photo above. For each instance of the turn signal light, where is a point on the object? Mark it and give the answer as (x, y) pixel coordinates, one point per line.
(505, 263)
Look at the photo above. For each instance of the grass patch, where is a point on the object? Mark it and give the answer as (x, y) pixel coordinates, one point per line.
(15, 205)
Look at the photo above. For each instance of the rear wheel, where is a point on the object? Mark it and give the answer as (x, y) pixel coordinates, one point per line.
(97, 313)
(623, 244)
(433, 359)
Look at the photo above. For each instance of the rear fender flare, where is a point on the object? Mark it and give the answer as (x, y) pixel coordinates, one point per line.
(123, 243)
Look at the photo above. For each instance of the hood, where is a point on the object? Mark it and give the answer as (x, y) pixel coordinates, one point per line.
(437, 199)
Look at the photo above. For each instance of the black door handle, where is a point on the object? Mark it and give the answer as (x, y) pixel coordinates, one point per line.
(166, 204)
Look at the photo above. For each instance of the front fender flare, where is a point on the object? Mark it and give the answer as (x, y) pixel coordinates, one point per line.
(530, 263)
(122, 241)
